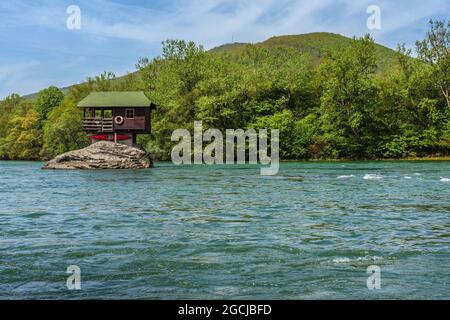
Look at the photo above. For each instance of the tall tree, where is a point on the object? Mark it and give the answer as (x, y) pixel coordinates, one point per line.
(435, 50)
(46, 100)
(24, 139)
(349, 97)
(64, 130)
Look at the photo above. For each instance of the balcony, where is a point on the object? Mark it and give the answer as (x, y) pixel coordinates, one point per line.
(98, 124)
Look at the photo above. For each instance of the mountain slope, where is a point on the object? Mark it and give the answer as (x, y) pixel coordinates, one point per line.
(315, 44)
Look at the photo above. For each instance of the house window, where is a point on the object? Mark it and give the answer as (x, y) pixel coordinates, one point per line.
(89, 113)
(107, 114)
(129, 113)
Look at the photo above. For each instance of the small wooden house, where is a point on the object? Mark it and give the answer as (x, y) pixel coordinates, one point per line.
(117, 116)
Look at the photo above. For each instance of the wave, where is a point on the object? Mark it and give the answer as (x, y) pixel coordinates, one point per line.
(341, 260)
(346, 176)
(445, 179)
(372, 177)
(359, 259)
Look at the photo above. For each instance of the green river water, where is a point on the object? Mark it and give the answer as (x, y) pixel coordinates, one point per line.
(225, 232)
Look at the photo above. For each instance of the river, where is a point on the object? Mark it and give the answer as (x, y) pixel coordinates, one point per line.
(225, 232)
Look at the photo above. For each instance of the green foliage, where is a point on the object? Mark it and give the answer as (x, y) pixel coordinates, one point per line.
(296, 136)
(435, 50)
(24, 139)
(349, 99)
(315, 45)
(64, 130)
(46, 100)
(330, 97)
(7, 107)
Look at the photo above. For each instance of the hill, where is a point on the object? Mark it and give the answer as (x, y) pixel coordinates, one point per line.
(316, 45)
(338, 110)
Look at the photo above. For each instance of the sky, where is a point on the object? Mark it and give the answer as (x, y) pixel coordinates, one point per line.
(37, 49)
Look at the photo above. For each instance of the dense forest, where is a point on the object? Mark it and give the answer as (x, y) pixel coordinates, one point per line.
(329, 99)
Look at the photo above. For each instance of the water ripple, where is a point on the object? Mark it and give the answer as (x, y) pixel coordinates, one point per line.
(197, 232)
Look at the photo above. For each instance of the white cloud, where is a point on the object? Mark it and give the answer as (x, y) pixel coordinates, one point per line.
(252, 21)
(213, 22)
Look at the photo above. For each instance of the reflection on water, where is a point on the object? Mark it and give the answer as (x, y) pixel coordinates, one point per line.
(226, 232)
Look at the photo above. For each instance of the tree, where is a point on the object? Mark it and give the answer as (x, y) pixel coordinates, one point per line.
(24, 139)
(348, 98)
(104, 82)
(46, 100)
(7, 107)
(170, 82)
(64, 130)
(296, 135)
(435, 50)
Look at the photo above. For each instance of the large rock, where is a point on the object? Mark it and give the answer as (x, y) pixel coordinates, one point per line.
(102, 155)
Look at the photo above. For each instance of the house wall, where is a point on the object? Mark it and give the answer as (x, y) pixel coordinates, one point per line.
(139, 123)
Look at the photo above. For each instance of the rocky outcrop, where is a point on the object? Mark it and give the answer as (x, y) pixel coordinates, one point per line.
(102, 155)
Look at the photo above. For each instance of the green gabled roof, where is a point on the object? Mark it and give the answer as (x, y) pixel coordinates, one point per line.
(115, 99)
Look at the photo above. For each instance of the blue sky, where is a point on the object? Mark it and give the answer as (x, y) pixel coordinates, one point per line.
(38, 50)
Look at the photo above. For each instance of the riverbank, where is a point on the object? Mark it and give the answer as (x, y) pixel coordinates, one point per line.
(299, 160)
(372, 160)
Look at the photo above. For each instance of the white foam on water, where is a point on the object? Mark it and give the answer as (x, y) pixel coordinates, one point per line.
(408, 178)
(346, 176)
(359, 259)
(341, 260)
(372, 177)
(417, 174)
(445, 179)
(376, 258)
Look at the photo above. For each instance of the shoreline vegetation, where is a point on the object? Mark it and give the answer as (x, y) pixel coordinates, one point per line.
(410, 159)
(332, 99)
